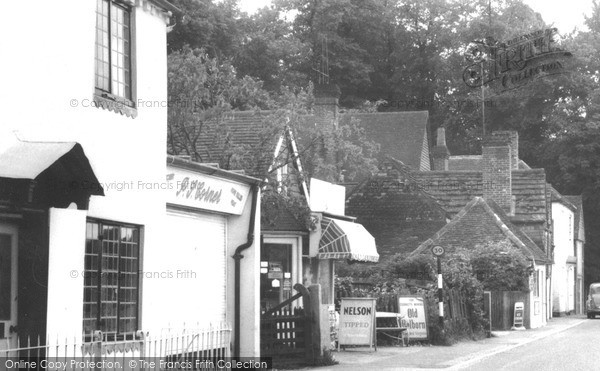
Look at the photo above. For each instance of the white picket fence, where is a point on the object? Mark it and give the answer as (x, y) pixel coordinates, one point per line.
(188, 348)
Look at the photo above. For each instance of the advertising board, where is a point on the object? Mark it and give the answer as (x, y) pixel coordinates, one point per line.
(414, 316)
(357, 322)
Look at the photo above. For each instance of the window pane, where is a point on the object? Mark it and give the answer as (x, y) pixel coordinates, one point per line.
(111, 289)
(115, 38)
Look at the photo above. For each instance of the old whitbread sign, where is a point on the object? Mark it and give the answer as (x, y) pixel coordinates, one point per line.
(201, 191)
(414, 316)
(357, 322)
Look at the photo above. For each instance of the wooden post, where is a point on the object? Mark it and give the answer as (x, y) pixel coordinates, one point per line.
(308, 324)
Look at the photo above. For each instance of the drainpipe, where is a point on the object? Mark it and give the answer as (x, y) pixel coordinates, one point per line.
(237, 256)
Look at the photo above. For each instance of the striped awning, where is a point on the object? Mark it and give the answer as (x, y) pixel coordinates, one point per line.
(341, 239)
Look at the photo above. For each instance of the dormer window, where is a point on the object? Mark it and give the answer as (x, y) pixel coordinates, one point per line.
(113, 78)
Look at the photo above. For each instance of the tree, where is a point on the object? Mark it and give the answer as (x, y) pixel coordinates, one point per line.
(201, 90)
(213, 26)
(500, 267)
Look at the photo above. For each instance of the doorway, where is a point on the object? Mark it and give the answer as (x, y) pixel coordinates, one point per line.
(8, 287)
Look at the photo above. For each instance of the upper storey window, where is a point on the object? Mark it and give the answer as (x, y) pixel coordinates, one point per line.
(113, 51)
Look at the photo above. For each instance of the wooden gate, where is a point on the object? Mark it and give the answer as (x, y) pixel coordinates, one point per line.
(502, 308)
(285, 331)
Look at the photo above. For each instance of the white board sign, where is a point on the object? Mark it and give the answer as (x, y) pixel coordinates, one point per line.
(327, 197)
(357, 322)
(202, 191)
(414, 312)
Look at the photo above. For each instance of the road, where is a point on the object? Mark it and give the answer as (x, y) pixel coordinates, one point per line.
(573, 349)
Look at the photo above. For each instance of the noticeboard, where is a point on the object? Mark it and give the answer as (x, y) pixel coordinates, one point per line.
(414, 316)
(357, 322)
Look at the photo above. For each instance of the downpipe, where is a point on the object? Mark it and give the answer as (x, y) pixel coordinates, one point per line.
(237, 256)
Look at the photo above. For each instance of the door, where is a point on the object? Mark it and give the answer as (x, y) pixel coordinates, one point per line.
(8, 287)
(276, 274)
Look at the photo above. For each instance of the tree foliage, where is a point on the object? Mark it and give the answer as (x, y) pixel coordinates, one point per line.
(393, 51)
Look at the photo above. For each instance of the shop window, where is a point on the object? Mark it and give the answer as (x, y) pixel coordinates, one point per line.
(114, 82)
(111, 279)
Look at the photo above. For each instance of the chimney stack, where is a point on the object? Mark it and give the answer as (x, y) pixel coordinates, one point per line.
(327, 101)
(497, 163)
(440, 152)
(513, 138)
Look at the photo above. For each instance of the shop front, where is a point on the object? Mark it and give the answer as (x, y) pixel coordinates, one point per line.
(210, 213)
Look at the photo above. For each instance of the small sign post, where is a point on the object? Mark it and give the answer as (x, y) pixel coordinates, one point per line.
(439, 251)
(357, 322)
(519, 316)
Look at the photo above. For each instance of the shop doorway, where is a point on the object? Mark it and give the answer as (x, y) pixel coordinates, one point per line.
(276, 274)
(8, 287)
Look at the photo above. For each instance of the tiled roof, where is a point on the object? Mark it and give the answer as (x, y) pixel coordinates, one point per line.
(284, 221)
(399, 218)
(454, 189)
(402, 135)
(557, 197)
(479, 222)
(248, 130)
(471, 162)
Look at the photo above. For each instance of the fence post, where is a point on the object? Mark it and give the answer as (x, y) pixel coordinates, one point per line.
(320, 320)
(308, 324)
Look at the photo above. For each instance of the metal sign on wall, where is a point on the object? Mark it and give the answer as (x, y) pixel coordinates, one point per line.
(357, 322)
(414, 316)
(203, 191)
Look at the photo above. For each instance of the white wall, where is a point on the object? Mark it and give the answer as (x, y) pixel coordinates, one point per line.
(237, 234)
(65, 278)
(538, 319)
(564, 247)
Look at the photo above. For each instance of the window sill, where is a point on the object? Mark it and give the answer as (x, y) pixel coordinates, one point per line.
(115, 104)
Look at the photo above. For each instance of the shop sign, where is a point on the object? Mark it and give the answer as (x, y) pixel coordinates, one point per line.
(327, 197)
(414, 316)
(357, 322)
(516, 62)
(207, 192)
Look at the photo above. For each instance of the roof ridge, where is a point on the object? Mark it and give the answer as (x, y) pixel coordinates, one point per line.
(447, 226)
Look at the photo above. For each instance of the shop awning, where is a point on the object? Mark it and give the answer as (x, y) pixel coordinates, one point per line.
(346, 240)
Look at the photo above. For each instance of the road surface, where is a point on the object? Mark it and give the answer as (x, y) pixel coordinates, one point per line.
(574, 349)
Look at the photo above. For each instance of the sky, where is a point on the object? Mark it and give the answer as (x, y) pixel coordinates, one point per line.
(564, 14)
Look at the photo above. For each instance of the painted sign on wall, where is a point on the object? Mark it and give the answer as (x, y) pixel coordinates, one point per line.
(207, 192)
(357, 322)
(414, 312)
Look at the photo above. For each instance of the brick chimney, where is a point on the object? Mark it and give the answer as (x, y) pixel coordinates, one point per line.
(440, 152)
(496, 166)
(513, 137)
(327, 101)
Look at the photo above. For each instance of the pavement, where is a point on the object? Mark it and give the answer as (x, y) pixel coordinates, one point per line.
(456, 357)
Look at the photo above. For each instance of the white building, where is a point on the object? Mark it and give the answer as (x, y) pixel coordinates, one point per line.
(83, 192)
(568, 240)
